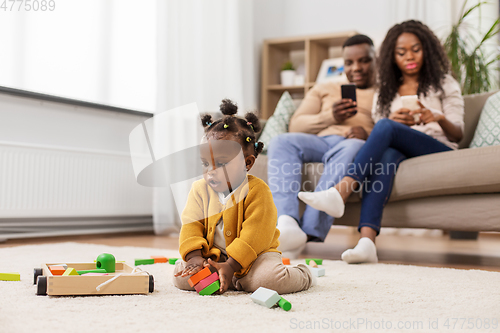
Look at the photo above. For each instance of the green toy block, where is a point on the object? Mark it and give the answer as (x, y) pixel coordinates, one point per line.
(172, 261)
(210, 289)
(10, 277)
(70, 271)
(318, 261)
(284, 304)
(98, 270)
(144, 262)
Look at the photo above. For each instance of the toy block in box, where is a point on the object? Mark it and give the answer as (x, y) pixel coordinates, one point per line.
(57, 270)
(317, 261)
(206, 282)
(286, 261)
(204, 273)
(159, 259)
(70, 271)
(317, 271)
(10, 277)
(210, 289)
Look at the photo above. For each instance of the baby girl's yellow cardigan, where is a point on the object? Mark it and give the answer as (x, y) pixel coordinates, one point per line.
(249, 224)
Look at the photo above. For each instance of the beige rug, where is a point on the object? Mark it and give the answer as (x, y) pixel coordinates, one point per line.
(350, 298)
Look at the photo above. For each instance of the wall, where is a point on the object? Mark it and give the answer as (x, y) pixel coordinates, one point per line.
(282, 18)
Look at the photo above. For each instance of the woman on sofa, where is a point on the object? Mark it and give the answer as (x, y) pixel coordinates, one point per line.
(412, 62)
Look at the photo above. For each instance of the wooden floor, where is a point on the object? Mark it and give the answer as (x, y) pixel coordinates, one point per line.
(483, 253)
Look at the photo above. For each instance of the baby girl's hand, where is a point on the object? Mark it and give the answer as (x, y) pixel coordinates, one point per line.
(225, 272)
(193, 266)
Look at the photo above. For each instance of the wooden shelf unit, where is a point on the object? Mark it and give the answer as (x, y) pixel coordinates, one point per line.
(275, 52)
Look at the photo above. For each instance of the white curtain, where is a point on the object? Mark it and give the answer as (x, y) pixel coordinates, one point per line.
(204, 55)
(151, 56)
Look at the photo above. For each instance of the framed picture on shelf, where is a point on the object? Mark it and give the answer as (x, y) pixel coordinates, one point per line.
(331, 70)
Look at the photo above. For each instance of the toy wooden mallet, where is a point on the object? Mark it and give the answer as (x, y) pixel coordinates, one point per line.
(105, 263)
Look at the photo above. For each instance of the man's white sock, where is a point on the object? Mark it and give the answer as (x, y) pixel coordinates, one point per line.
(329, 201)
(292, 238)
(364, 252)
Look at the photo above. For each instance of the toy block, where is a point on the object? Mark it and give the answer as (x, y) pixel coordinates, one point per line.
(318, 271)
(204, 273)
(10, 277)
(284, 304)
(144, 262)
(98, 270)
(62, 265)
(70, 271)
(313, 263)
(318, 261)
(95, 274)
(172, 261)
(159, 259)
(57, 270)
(212, 288)
(286, 261)
(265, 297)
(206, 282)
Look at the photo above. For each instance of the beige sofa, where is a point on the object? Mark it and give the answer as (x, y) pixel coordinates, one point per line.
(457, 190)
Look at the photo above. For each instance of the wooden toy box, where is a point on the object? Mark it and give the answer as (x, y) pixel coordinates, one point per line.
(48, 284)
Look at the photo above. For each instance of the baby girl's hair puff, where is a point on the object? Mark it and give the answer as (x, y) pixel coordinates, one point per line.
(243, 129)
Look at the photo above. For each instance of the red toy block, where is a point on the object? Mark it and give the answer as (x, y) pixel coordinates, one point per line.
(159, 259)
(286, 261)
(206, 282)
(204, 273)
(57, 270)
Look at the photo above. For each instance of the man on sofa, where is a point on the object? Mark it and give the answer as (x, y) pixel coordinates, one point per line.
(325, 128)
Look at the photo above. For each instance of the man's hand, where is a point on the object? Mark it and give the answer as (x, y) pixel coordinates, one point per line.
(344, 109)
(403, 116)
(426, 115)
(357, 132)
(225, 272)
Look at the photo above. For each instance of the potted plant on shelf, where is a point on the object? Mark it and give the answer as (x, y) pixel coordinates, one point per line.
(287, 74)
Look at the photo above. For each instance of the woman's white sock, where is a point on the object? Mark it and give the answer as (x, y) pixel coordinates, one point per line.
(292, 238)
(364, 252)
(329, 201)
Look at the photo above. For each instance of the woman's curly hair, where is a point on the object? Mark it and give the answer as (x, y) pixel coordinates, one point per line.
(434, 68)
(244, 129)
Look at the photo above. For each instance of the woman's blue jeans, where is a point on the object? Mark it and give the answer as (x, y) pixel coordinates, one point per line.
(377, 161)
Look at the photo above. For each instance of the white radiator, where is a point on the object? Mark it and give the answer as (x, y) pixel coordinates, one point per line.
(48, 191)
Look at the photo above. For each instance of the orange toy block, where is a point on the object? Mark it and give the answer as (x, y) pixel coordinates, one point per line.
(57, 270)
(286, 261)
(159, 259)
(193, 280)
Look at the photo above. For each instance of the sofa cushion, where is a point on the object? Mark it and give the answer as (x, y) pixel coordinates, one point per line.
(473, 105)
(488, 128)
(278, 122)
(461, 171)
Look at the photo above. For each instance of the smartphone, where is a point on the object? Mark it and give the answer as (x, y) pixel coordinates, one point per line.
(410, 102)
(349, 91)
